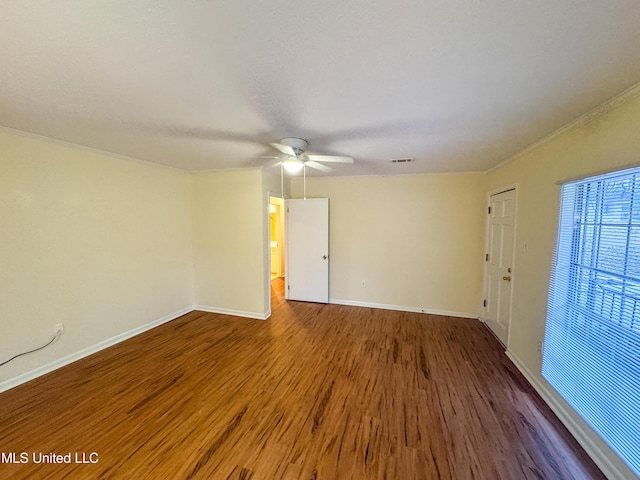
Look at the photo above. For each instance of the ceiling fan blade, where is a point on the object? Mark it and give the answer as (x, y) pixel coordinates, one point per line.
(286, 149)
(329, 158)
(317, 166)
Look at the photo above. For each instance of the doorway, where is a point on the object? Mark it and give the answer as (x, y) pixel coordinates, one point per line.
(499, 259)
(276, 237)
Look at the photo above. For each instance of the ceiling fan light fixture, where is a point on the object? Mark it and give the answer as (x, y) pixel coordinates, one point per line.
(295, 156)
(292, 165)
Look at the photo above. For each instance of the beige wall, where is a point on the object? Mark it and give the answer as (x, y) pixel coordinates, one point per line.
(99, 243)
(417, 240)
(272, 183)
(230, 224)
(601, 142)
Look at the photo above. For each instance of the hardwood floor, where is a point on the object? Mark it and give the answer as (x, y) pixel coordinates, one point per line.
(317, 392)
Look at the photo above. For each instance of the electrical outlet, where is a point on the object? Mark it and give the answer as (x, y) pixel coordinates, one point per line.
(59, 328)
(364, 283)
(540, 346)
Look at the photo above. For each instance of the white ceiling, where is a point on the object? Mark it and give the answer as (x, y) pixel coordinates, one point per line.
(460, 85)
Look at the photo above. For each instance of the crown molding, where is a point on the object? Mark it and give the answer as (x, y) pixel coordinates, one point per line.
(596, 112)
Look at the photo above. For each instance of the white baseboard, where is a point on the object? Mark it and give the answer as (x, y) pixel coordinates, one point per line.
(61, 362)
(400, 308)
(600, 458)
(235, 313)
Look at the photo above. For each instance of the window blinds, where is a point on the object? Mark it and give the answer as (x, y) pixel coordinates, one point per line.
(592, 338)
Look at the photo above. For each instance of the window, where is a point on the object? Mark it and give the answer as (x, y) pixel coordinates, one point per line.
(592, 339)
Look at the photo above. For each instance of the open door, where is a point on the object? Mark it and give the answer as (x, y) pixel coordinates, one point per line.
(307, 250)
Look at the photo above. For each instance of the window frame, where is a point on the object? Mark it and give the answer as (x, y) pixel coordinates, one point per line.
(591, 356)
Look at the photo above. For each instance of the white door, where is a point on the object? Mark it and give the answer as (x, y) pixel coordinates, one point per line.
(307, 250)
(498, 262)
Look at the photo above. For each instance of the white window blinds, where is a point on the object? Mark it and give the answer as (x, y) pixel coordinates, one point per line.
(592, 339)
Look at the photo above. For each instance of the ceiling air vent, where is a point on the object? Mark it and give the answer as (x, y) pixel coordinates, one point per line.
(402, 160)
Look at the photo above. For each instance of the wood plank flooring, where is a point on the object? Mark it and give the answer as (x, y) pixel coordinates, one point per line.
(317, 392)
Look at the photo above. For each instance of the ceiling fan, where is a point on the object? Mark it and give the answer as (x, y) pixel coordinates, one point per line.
(298, 158)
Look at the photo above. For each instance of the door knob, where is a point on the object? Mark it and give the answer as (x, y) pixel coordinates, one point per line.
(324, 257)
(508, 279)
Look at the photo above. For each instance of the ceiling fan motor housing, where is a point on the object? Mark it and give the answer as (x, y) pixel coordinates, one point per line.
(298, 144)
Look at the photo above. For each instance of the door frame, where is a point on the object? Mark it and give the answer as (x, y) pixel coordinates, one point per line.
(277, 230)
(267, 247)
(514, 280)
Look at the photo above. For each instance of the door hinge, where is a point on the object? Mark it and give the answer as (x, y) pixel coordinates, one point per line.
(489, 210)
(486, 257)
(484, 303)
(288, 287)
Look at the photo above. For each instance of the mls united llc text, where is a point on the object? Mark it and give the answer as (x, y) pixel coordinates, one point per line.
(38, 457)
